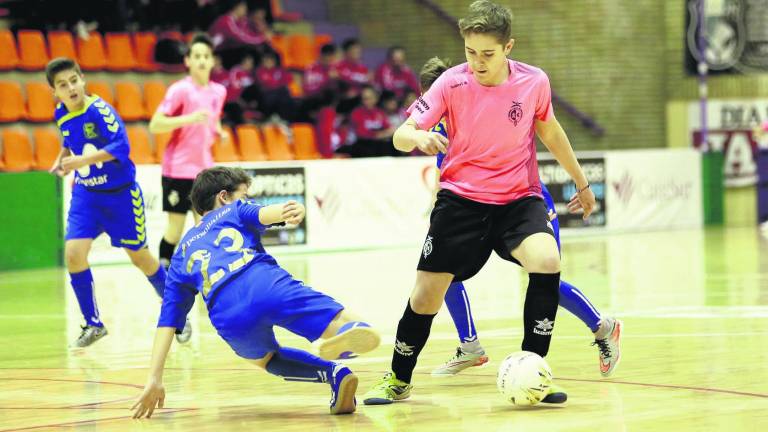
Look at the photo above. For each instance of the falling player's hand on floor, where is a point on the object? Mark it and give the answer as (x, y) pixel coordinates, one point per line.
(153, 396)
(582, 202)
(293, 212)
(431, 143)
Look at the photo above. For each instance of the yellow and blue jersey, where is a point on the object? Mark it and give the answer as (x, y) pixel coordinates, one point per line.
(226, 242)
(97, 127)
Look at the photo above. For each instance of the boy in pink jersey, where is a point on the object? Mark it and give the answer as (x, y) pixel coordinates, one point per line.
(192, 110)
(490, 197)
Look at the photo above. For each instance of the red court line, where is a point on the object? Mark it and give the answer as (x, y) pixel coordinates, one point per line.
(82, 422)
(74, 381)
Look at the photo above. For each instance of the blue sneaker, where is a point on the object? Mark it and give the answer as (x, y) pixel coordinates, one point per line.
(343, 387)
(352, 339)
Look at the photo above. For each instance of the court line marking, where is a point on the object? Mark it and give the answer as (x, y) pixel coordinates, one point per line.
(82, 422)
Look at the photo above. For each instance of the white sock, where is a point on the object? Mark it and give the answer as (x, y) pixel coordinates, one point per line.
(472, 347)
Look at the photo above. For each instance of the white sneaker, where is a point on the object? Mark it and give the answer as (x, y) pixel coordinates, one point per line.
(609, 348)
(460, 361)
(186, 333)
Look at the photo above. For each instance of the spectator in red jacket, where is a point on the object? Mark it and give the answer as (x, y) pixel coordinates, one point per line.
(234, 37)
(353, 75)
(321, 84)
(274, 97)
(371, 127)
(395, 75)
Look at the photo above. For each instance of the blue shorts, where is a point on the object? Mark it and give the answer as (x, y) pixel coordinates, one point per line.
(120, 214)
(245, 310)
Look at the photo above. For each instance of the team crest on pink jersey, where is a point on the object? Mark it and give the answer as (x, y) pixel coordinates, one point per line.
(515, 113)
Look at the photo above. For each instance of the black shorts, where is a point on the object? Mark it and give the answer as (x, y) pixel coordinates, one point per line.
(176, 195)
(462, 232)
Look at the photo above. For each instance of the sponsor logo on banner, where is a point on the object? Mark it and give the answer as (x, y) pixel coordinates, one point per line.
(275, 186)
(729, 130)
(562, 188)
(628, 188)
(653, 189)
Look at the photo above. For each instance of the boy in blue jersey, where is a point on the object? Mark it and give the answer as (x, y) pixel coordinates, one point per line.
(105, 196)
(248, 293)
(607, 330)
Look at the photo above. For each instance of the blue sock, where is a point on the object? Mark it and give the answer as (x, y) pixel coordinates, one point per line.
(458, 306)
(82, 284)
(158, 280)
(578, 304)
(296, 365)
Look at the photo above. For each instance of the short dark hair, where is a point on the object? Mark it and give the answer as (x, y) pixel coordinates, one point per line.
(393, 49)
(431, 71)
(211, 181)
(328, 49)
(199, 38)
(60, 64)
(349, 43)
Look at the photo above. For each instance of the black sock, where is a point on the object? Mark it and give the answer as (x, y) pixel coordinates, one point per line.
(166, 251)
(412, 334)
(539, 311)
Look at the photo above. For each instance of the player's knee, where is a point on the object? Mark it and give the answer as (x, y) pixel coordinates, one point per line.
(546, 264)
(75, 258)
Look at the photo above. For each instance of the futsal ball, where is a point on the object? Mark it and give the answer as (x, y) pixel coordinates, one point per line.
(524, 378)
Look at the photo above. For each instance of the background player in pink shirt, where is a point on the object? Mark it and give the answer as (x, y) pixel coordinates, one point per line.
(192, 110)
(490, 198)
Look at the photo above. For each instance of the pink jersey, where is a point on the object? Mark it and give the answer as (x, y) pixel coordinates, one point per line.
(189, 149)
(491, 157)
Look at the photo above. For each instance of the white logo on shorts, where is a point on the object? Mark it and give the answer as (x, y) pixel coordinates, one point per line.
(173, 198)
(427, 247)
(544, 327)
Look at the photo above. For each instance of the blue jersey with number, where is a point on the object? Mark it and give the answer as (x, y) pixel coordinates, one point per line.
(226, 242)
(97, 127)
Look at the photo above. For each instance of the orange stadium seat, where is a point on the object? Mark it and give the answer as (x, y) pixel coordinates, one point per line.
(225, 150)
(302, 51)
(17, 151)
(278, 147)
(280, 44)
(304, 141)
(295, 88)
(91, 52)
(161, 142)
(251, 143)
(47, 147)
(9, 56)
(130, 104)
(320, 40)
(120, 55)
(12, 106)
(33, 54)
(141, 150)
(145, 51)
(154, 91)
(40, 103)
(102, 90)
(61, 44)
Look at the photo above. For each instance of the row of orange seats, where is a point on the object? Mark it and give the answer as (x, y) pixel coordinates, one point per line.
(245, 143)
(121, 52)
(131, 101)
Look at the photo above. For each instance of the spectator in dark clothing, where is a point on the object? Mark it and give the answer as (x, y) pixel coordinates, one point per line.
(321, 83)
(395, 75)
(234, 37)
(274, 96)
(353, 75)
(371, 127)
